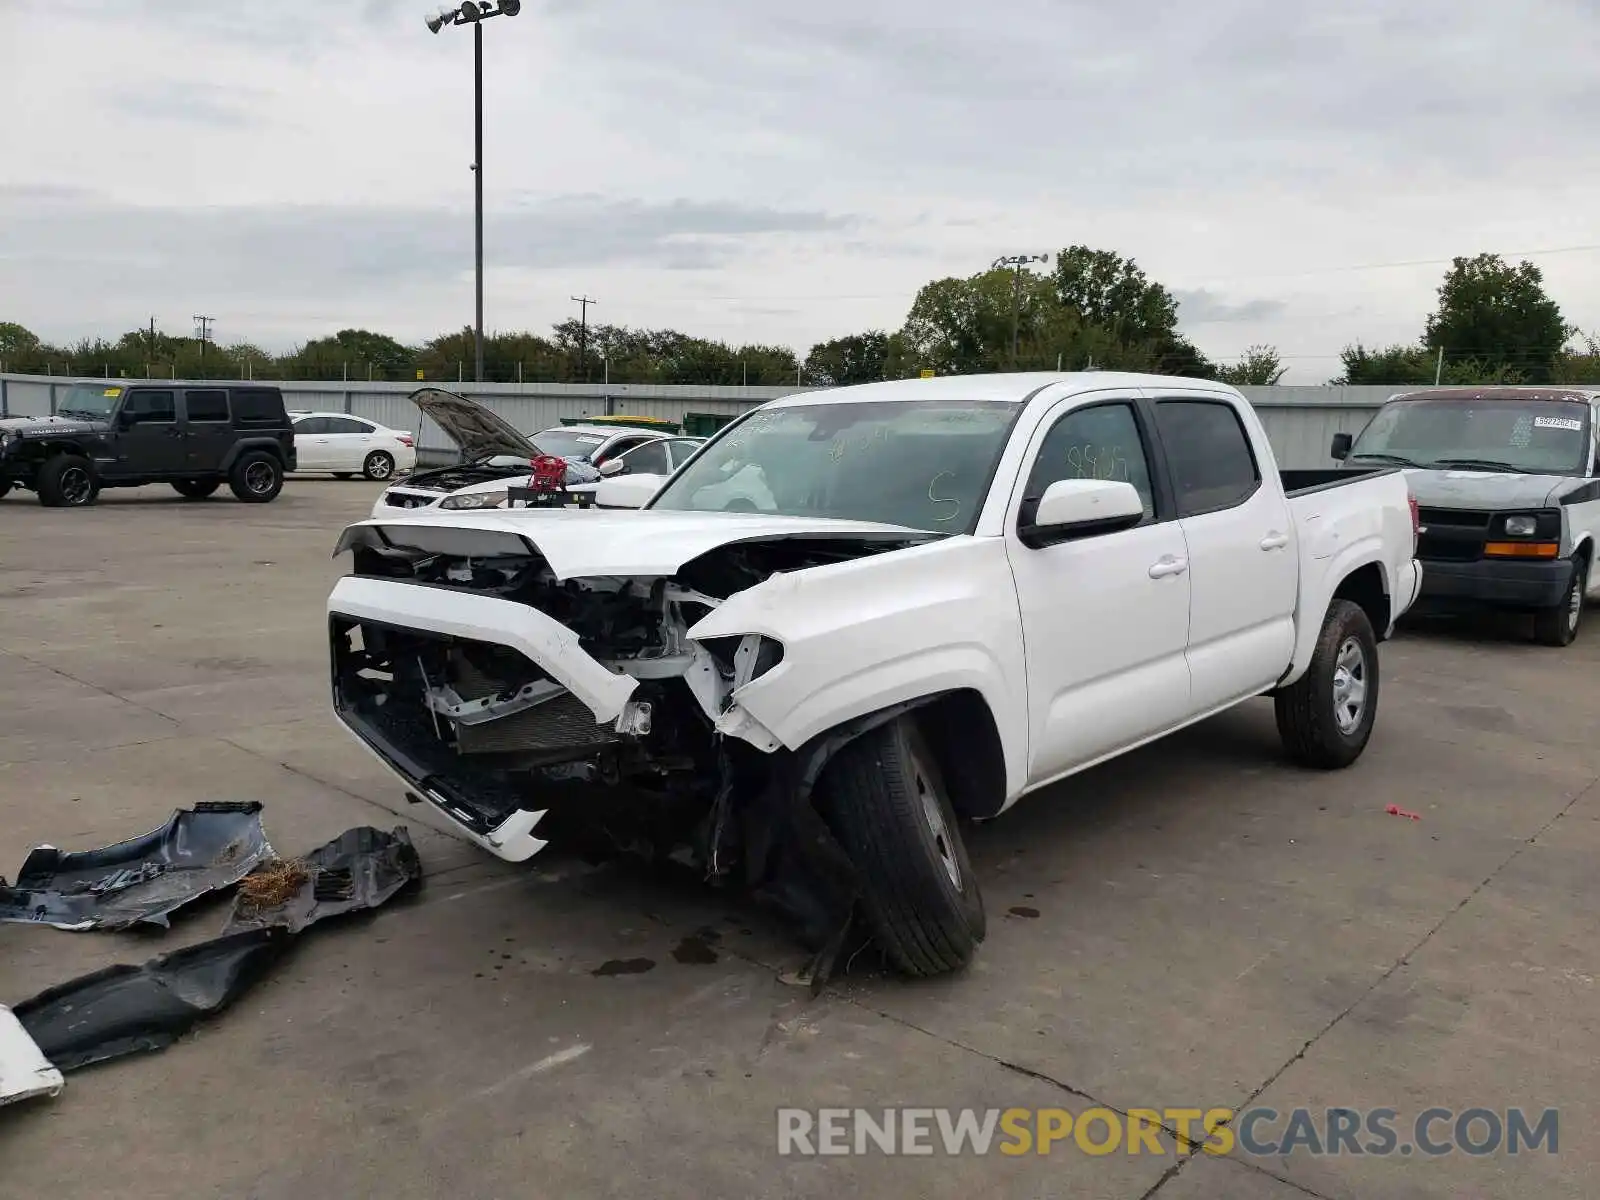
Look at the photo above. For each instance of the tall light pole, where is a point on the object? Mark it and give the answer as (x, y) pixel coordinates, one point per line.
(1017, 261)
(474, 13)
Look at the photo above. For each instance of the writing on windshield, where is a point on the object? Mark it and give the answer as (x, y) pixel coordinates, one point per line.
(1537, 437)
(921, 464)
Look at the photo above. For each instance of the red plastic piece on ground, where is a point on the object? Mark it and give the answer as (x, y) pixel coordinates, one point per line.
(549, 473)
(1394, 810)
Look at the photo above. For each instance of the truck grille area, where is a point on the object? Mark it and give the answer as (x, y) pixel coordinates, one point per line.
(564, 723)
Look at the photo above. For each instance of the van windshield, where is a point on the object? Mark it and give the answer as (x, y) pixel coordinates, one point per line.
(93, 401)
(919, 464)
(1533, 436)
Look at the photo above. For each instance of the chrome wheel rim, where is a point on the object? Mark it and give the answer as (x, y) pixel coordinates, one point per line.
(258, 477)
(379, 467)
(933, 814)
(76, 486)
(1350, 686)
(1575, 605)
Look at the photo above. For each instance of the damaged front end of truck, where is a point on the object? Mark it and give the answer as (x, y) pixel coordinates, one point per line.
(529, 704)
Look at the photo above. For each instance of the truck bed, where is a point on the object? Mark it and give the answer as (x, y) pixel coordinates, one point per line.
(1300, 483)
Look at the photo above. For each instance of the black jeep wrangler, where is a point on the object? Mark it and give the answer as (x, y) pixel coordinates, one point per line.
(128, 434)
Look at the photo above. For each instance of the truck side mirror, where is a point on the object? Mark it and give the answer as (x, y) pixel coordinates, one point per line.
(1072, 508)
(1341, 445)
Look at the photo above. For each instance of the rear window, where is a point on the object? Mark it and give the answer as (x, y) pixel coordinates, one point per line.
(1212, 465)
(259, 406)
(208, 405)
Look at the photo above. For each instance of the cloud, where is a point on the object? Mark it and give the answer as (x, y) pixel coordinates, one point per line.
(1201, 307)
(791, 173)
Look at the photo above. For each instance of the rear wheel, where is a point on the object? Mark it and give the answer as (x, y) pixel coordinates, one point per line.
(67, 481)
(379, 465)
(886, 801)
(1558, 626)
(1325, 718)
(195, 489)
(257, 477)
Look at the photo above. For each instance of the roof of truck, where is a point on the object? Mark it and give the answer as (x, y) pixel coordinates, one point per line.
(1012, 386)
(1502, 392)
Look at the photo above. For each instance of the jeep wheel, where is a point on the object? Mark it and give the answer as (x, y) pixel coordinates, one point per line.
(67, 481)
(1558, 626)
(257, 477)
(885, 799)
(195, 489)
(1325, 718)
(378, 465)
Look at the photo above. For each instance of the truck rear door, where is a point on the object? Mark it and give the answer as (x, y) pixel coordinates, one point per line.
(1243, 571)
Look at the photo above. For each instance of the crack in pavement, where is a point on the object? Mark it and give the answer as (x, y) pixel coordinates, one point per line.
(104, 691)
(1403, 960)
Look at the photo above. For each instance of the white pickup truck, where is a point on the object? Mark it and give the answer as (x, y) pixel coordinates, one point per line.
(856, 617)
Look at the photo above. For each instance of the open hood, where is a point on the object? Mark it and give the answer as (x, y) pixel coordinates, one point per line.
(471, 426)
(1459, 488)
(584, 544)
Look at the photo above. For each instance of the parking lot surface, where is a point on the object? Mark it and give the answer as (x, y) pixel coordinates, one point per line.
(1197, 925)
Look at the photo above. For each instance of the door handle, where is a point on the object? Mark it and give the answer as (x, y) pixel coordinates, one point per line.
(1168, 566)
(1275, 541)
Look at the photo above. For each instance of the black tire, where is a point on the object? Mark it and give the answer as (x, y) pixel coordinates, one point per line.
(257, 477)
(67, 481)
(195, 489)
(379, 465)
(5, 488)
(343, 475)
(1558, 626)
(1309, 720)
(881, 794)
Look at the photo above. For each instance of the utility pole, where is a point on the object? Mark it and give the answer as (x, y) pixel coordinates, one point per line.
(1016, 261)
(152, 338)
(203, 332)
(1438, 367)
(583, 303)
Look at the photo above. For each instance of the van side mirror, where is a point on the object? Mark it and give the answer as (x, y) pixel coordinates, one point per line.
(1073, 508)
(1341, 445)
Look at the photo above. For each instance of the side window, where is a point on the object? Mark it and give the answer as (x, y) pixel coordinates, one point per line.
(1099, 442)
(680, 451)
(1209, 453)
(623, 445)
(649, 459)
(147, 407)
(344, 425)
(311, 425)
(259, 406)
(210, 405)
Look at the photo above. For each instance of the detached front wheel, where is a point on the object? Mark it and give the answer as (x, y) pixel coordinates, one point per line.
(1325, 718)
(886, 801)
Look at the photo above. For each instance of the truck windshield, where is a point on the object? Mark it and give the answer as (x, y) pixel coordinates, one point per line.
(919, 464)
(1533, 436)
(91, 400)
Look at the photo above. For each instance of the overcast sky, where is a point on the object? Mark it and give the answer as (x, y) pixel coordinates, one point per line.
(751, 170)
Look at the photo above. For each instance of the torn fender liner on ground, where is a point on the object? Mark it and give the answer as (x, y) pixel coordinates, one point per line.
(127, 1010)
(24, 1070)
(212, 846)
(360, 869)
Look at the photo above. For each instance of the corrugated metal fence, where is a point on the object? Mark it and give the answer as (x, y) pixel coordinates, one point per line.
(1300, 421)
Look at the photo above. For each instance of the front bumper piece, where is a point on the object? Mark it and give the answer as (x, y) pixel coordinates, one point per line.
(545, 642)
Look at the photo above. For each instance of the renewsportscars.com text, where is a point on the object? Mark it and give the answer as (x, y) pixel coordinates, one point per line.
(1257, 1132)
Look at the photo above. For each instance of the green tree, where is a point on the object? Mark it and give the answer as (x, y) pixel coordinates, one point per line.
(958, 326)
(1260, 366)
(1390, 365)
(855, 358)
(1500, 318)
(16, 341)
(1105, 289)
(1581, 364)
(357, 353)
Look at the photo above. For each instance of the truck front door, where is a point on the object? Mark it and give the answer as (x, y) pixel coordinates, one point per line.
(1244, 576)
(149, 439)
(1105, 618)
